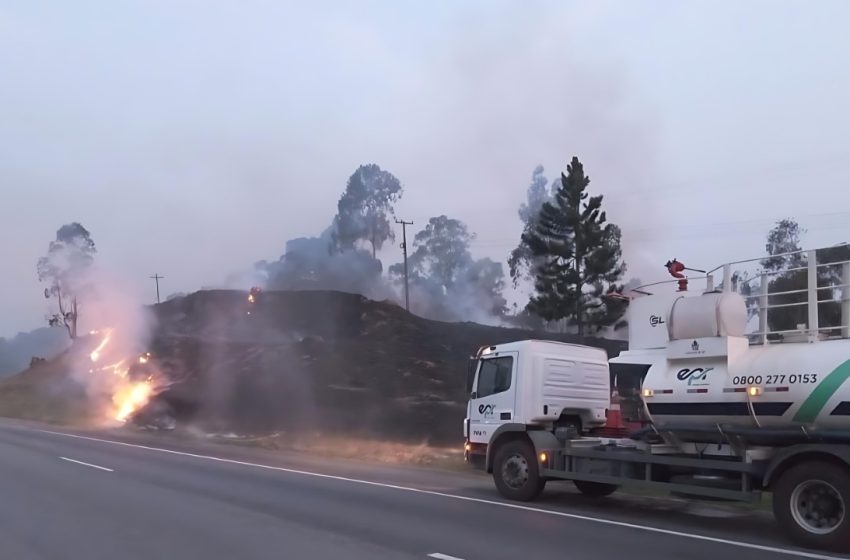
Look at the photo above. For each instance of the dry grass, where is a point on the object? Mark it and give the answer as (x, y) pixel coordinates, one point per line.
(354, 449)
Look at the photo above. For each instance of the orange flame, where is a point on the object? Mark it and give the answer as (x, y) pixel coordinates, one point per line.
(131, 399)
(127, 396)
(95, 355)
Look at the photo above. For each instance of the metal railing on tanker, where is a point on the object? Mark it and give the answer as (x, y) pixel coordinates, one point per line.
(801, 296)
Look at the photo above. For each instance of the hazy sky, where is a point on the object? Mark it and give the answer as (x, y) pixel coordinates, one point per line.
(193, 138)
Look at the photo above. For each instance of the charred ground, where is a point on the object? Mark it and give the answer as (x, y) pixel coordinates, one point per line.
(326, 362)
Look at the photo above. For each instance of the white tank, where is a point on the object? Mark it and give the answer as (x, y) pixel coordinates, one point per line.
(657, 319)
(711, 314)
(788, 384)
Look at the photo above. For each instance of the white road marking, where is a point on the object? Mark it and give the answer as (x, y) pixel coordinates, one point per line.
(86, 464)
(441, 556)
(647, 528)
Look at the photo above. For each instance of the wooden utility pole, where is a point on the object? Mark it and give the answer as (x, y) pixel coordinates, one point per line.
(156, 278)
(404, 250)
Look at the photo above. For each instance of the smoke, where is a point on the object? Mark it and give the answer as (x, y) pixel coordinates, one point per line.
(114, 303)
(460, 103)
(236, 363)
(498, 98)
(465, 303)
(474, 292)
(310, 263)
(105, 360)
(17, 352)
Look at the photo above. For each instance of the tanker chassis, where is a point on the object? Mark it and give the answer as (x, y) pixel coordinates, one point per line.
(693, 408)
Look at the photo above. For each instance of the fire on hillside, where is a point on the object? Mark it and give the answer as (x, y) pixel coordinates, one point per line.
(132, 380)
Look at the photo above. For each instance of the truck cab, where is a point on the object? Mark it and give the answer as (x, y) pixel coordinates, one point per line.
(534, 384)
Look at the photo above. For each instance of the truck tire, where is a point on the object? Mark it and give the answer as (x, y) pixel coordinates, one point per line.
(595, 489)
(810, 502)
(516, 472)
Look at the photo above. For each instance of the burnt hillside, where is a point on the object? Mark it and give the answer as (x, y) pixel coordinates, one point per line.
(328, 361)
(312, 362)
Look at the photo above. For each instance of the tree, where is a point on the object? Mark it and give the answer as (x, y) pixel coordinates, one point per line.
(447, 281)
(782, 239)
(519, 261)
(441, 251)
(784, 275)
(578, 254)
(365, 209)
(66, 269)
(787, 273)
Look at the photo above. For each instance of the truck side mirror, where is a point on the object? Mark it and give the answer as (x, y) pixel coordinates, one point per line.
(471, 369)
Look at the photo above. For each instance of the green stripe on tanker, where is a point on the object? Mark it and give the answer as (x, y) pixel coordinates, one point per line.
(814, 404)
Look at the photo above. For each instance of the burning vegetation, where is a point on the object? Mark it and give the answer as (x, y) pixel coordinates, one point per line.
(131, 381)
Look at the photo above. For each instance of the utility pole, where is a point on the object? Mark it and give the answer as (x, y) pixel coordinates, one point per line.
(404, 249)
(156, 278)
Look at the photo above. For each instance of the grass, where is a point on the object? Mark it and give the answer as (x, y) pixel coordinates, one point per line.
(28, 404)
(354, 449)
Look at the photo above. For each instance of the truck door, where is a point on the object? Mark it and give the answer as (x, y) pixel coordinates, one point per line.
(491, 403)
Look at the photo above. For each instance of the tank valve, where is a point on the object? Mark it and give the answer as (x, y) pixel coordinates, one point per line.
(675, 268)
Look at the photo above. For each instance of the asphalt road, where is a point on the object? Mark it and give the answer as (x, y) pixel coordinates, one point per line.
(82, 495)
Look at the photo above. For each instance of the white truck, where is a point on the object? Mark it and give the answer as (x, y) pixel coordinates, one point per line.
(723, 411)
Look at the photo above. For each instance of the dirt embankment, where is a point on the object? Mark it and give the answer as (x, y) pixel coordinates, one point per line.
(330, 363)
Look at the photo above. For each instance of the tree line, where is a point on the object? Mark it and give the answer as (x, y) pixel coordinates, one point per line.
(568, 252)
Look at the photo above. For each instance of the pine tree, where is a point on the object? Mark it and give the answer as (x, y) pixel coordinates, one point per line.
(578, 257)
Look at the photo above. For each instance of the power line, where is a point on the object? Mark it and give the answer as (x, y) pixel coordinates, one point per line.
(704, 231)
(687, 186)
(735, 222)
(700, 227)
(708, 183)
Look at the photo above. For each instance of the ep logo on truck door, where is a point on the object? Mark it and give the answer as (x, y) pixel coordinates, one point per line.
(486, 410)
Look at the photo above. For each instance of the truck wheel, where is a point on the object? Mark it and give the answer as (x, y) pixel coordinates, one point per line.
(595, 489)
(517, 473)
(810, 502)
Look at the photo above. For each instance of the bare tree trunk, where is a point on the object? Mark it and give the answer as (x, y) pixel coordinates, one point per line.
(579, 306)
(71, 333)
(74, 320)
(61, 307)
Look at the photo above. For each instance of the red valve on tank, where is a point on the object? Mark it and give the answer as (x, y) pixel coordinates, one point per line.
(675, 268)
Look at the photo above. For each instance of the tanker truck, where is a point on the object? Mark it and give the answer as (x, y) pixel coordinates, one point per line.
(714, 398)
